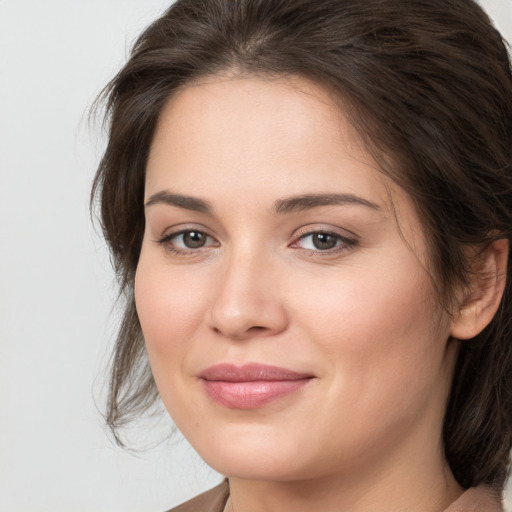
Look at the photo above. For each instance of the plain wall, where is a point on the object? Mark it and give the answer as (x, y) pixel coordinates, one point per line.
(57, 287)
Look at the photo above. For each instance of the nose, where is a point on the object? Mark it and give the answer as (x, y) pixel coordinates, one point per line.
(248, 301)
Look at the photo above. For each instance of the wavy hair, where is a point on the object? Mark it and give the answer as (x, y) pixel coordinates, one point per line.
(428, 87)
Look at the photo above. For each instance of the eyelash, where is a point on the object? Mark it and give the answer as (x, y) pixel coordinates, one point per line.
(343, 243)
(167, 242)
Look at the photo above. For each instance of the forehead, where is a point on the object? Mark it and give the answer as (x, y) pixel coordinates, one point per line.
(228, 127)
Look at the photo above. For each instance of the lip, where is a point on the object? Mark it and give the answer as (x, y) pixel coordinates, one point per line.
(252, 385)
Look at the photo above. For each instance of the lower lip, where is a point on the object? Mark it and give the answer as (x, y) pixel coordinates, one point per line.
(251, 394)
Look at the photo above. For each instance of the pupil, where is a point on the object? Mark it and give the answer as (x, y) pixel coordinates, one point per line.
(194, 239)
(323, 241)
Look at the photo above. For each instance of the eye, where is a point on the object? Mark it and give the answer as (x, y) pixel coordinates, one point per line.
(323, 241)
(190, 239)
(187, 240)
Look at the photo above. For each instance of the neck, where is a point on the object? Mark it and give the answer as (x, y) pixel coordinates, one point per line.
(327, 497)
(422, 483)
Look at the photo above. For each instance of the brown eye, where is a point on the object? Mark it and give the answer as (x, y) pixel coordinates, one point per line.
(187, 240)
(320, 241)
(324, 241)
(194, 239)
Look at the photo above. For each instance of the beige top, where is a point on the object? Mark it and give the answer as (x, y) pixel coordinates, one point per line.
(476, 499)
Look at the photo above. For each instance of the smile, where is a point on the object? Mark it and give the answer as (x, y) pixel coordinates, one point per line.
(252, 385)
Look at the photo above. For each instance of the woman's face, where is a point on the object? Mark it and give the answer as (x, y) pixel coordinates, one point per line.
(282, 288)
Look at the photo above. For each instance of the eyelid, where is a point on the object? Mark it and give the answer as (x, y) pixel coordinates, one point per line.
(346, 240)
(311, 229)
(182, 227)
(166, 239)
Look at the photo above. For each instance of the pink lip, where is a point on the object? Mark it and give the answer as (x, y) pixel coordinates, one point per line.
(252, 385)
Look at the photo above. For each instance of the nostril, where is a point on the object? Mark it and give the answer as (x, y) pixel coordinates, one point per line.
(257, 315)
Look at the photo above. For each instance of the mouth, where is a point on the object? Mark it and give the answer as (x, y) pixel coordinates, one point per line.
(252, 385)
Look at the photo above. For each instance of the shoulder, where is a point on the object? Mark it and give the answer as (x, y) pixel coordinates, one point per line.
(213, 500)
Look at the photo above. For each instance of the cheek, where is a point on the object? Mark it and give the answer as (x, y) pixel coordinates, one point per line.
(170, 307)
(382, 336)
(360, 309)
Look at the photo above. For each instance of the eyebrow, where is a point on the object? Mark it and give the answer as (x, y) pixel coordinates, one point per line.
(281, 206)
(308, 201)
(186, 202)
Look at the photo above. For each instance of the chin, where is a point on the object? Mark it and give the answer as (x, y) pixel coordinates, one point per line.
(250, 455)
(258, 467)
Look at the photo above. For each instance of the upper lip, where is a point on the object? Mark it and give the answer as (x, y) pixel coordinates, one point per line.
(250, 372)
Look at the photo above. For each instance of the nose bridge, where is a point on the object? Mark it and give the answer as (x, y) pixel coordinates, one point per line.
(247, 300)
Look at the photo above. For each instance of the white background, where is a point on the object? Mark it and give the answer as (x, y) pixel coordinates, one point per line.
(57, 288)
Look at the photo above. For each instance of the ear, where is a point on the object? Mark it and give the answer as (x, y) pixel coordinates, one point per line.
(486, 289)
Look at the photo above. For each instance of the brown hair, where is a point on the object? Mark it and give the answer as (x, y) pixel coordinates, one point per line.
(427, 85)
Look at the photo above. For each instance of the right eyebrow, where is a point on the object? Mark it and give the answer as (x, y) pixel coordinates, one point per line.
(186, 202)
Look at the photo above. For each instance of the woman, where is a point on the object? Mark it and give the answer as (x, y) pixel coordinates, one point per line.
(309, 208)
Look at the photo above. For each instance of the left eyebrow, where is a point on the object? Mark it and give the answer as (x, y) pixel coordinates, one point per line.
(308, 201)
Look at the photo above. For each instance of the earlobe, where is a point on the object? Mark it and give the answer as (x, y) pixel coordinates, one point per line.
(485, 292)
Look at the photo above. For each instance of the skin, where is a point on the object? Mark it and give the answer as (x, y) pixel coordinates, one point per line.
(365, 433)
